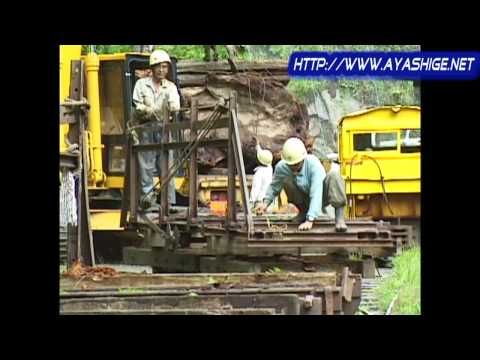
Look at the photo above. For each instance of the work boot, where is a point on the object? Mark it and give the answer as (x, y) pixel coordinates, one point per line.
(147, 201)
(340, 225)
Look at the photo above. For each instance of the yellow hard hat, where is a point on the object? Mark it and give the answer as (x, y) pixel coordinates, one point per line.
(293, 151)
(159, 56)
(265, 157)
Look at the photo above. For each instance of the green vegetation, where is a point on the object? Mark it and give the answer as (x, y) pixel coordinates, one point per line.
(405, 282)
(108, 49)
(181, 52)
(368, 92)
(274, 270)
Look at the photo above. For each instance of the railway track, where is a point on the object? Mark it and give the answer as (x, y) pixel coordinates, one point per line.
(319, 293)
(369, 304)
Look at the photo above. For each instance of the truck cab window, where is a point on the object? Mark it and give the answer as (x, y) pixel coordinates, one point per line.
(375, 141)
(410, 140)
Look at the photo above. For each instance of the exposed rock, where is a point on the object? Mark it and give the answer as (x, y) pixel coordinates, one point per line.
(266, 110)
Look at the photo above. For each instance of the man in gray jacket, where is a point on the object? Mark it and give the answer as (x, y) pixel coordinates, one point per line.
(151, 97)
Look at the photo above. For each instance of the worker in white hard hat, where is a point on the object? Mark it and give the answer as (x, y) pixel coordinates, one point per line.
(333, 161)
(262, 175)
(334, 191)
(301, 175)
(152, 96)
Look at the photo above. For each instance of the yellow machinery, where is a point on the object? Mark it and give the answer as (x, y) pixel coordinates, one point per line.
(379, 150)
(67, 54)
(109, 84)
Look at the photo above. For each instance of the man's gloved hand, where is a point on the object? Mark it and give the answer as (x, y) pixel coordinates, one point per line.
(158, 111)
(135, 138)
(148, 111)
(307, 225)
(143, 109)
(260, 208)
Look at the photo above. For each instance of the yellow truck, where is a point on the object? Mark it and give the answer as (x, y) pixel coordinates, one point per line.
(380, 151)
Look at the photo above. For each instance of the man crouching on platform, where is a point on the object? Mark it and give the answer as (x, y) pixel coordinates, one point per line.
(302, 176)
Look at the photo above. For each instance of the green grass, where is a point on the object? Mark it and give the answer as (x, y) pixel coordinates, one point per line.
(405, 281)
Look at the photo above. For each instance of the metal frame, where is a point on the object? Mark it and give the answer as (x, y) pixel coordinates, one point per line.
(239, 234)
(74, 112)
(235, 161)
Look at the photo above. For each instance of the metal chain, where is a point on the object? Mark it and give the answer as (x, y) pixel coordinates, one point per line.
(68, 201)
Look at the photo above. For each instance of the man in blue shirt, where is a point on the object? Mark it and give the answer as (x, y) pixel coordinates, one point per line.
(301, 175)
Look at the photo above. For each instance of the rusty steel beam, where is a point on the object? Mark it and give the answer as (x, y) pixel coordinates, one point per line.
(231, 201)
(193, 171)
(178, 145)
(133, 184)
(164, 163)
(126, 186)
(237, 147)
(238, 298)
(221, 123)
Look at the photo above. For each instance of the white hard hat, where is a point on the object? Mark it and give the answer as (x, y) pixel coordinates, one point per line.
(265, 157)
(332, 157)
(159, 56)
(293, 151)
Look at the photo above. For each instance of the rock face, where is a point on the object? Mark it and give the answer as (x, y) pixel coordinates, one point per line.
(325, 110)
(266, 111)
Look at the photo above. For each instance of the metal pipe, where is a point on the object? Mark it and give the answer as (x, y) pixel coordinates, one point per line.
(92, 62)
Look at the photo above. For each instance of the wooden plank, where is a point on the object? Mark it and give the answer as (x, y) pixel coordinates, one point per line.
(328, 300)
(347, 285)
(248, 311)
(287, 304)
(171, 281)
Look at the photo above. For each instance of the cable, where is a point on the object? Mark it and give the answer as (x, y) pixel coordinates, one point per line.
(382, 182)
(385, 197)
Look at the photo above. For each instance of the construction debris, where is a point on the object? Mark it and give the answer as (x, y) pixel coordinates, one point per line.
(78, 270)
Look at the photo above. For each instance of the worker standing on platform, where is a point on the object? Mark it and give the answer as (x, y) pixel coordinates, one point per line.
(151, 96)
